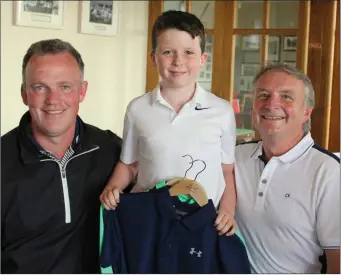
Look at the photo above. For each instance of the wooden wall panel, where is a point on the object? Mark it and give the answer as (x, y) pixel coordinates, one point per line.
(152, 77)
(320, 65)
(334, 136)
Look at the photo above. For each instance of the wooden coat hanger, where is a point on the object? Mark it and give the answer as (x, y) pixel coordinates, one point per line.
(185, 186)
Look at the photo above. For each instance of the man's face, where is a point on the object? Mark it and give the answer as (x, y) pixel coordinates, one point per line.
(52, 90)
(279, 106)
(178, 58)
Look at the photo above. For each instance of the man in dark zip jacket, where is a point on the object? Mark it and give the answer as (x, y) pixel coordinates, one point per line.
(53, 169)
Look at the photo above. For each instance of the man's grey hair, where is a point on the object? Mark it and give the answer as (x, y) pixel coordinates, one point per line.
(309, 93)
(52, 46)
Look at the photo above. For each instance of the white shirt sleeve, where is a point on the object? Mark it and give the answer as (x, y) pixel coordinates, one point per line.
(130, 149)
(228, 139)
(328, 208)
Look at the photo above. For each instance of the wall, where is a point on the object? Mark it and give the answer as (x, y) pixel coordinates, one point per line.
(114, 66)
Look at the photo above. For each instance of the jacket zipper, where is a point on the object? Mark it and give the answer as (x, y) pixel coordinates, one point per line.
(66, 196)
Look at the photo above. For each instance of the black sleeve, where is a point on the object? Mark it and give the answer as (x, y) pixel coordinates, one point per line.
(117, 141)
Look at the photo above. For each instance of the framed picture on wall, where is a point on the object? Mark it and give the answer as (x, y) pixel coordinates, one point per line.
(289, 43)
(249, 69)
(273, 48)
(251, 43)
(99, 17)
(205, 74)
(40, 14)
(245, 83)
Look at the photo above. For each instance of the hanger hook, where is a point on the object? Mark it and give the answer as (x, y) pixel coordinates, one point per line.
(191, 162)
(202, 169)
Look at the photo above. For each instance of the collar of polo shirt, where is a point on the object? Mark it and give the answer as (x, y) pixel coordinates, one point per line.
(293, 154)
(193, 221)
(199, 99)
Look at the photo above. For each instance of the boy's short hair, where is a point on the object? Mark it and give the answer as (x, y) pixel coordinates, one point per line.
(180, 20)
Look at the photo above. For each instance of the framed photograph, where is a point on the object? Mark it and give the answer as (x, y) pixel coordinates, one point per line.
(245, 83)
(251, 43)
(99, 17)
(246, 103)
(289, 43)
(249, 69)
(205, 74)
(290, 63)
(40, 14)
(273, 48)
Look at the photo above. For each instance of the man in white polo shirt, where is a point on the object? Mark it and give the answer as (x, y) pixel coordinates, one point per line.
(288, 187)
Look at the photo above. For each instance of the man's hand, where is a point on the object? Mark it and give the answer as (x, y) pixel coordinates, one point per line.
(225, 223)
(110, 197)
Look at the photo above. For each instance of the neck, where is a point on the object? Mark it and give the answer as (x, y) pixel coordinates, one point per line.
(275, 146)
(57, 145)
(178, 97)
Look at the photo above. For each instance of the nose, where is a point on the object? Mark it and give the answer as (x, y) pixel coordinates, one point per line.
(272, 102)
(52, 97)
(177, 60)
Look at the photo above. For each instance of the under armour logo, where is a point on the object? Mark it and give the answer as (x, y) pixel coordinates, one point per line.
(195, 252)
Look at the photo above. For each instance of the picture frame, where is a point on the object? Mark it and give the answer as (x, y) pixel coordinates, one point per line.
(290, 63)
(289, 43)
(246, 103)
(39, 14)
(245, 83)
(273, 48)
(251, 43)
(205, 74)
(249, 69)
(99, 17)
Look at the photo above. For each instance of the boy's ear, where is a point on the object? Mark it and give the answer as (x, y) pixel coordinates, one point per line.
(152, 57)
(203, 59)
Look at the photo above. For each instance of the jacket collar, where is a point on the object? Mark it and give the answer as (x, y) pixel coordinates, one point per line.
(31, 150)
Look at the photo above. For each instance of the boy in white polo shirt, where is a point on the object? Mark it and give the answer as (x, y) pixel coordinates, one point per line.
(178, 118)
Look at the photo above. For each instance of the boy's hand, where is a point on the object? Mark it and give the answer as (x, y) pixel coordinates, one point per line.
(225, 223)
(110, 197)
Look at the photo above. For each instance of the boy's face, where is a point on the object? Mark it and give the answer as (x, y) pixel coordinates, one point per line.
(178, 58)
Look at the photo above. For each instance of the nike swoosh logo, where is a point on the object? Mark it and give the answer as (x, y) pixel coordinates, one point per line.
(199, 109)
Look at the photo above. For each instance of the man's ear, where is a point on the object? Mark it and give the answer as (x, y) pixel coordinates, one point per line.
(23, 94)
(83, 91)
(307, 114)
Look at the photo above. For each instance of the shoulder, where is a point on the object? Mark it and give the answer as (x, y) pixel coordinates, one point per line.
(325, 155)
(218, 102)
(140, 102)
(9, 139)
(102, 137)
(246, 148)
(323, 164)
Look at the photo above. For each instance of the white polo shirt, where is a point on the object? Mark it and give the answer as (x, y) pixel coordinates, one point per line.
(158, 138)
(289, 210)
